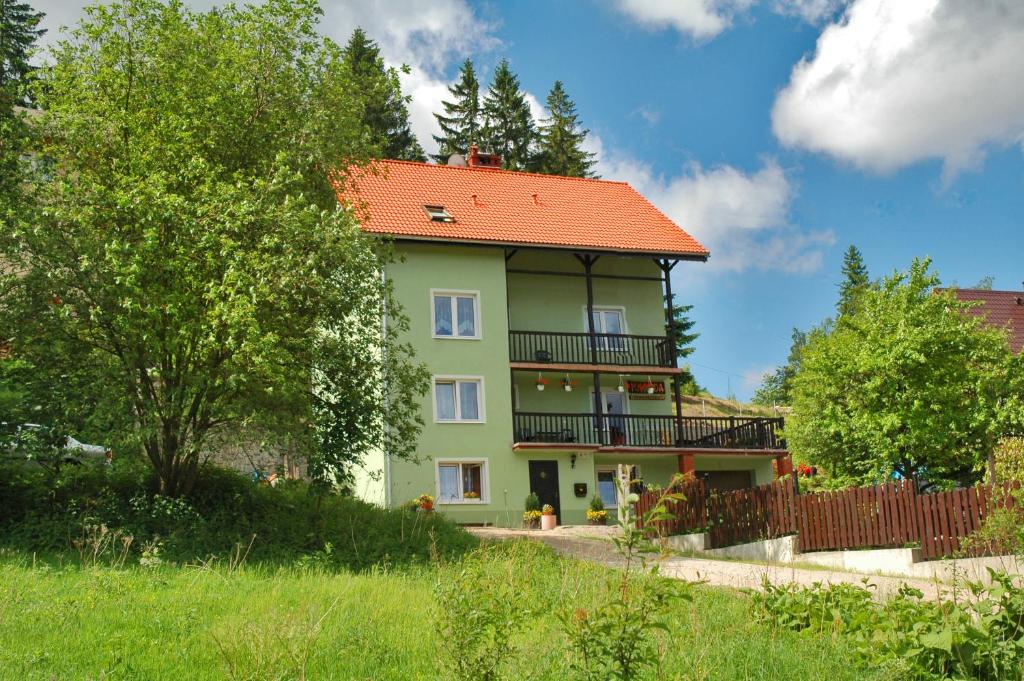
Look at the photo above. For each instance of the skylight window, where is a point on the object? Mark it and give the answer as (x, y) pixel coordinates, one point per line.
(438, 214)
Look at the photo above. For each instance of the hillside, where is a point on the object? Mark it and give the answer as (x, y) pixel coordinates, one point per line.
(709, 405)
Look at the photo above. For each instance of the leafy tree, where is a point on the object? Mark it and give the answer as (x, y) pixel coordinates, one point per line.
(189, 252)
(19, 31)
(855, 280)
(460, 123)
(560, 148)
(907, 383)
(385, 113)
(508, 125)
(776, 387)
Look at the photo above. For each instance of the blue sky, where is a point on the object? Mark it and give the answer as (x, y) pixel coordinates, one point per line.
(778, 132)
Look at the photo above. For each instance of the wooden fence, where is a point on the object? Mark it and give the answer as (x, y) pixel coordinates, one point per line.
(891, 515)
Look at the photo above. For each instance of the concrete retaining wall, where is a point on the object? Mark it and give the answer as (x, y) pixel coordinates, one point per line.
(893, 562)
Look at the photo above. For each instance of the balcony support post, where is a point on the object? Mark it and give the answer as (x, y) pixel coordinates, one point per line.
(588, 268)
(666, 266)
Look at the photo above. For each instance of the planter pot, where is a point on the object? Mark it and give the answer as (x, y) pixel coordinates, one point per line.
(531, 524)
(540, 387)
(548, 522)
(598, 522)
(426, 508)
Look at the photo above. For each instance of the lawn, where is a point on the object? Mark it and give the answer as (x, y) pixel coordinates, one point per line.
(257, 622)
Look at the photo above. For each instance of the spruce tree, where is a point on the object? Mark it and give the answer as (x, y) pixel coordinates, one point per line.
(460, 123)
(561, 139)
(855, 280)
(19, 30)
(384, 108)
(680, 328)
(509, 128)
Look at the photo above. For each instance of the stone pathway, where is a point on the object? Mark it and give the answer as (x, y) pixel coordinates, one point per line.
(591, 544)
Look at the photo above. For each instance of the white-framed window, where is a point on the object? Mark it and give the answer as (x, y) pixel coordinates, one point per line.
(456, 314)
(458, 399)
(608, 483)
(609, 320)
(607, 486)
(462, 481)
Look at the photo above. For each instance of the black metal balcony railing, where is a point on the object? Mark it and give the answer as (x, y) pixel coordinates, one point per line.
(632, 430)
(575, 348)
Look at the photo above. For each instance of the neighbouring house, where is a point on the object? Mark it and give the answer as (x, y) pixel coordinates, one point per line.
(1001, 309)
(538, 303)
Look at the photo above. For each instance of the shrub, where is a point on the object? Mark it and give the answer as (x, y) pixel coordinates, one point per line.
(977, 637)
(225, 515)
(596, 503)
(532, 502)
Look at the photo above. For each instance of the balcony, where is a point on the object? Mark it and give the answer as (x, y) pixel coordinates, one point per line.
(575, 351)
(630, 430)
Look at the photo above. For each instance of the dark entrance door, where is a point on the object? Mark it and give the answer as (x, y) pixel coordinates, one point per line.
(544, 483)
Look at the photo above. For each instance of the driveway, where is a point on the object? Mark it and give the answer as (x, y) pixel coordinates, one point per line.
(592, 544)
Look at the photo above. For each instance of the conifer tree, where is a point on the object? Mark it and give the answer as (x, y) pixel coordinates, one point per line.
(460, 122)
(855, 280)
(19, 30)
(680, 329)
(384, 108)
(508, 128)
(561, 139)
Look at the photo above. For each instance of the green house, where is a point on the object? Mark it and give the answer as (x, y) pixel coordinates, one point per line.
(538, 304)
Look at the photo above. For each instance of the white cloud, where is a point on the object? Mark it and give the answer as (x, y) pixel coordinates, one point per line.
(704, 19)
(896, 82)
(811, 11)
(743, 218)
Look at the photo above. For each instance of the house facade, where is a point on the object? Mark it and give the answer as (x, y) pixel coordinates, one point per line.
(538, 305)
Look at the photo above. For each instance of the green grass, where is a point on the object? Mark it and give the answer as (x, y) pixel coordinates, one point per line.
(261, 622)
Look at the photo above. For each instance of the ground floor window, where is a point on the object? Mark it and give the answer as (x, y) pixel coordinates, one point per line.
(607, 488)
(461, 481)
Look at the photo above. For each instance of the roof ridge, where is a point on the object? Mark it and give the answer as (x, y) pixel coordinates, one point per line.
(985, 290)
(500, 170)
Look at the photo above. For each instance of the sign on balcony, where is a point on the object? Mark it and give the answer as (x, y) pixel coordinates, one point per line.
(646, 390)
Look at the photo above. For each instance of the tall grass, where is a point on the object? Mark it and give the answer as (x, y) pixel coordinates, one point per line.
(259, 622)
(227, 515)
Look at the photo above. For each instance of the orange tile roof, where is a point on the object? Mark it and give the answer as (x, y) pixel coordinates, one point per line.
(512, 208)
(1001, 309)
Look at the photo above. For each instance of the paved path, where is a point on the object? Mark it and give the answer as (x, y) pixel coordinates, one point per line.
(583, 544)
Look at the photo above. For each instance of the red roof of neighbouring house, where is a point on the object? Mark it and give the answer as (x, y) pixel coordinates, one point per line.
(512, 208)
(1003, 309)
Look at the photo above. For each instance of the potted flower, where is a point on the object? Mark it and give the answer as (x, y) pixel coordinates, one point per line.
(568, 384)
(531, 516)
(541, 383)
(548, 519)
(596, 514)
(470, 495)
(425, 502)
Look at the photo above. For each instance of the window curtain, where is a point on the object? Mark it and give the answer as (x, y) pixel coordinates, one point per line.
(449, 482)
(442, 315)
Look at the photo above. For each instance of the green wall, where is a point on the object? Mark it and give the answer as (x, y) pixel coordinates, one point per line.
(531, 302)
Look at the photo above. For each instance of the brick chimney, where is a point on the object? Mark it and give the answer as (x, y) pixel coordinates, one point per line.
(480, 160)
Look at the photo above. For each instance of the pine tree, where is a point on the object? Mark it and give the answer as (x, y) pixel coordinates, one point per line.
(561, 139)
(460, 123)
(855, 280)
(19, 30)
(384, 108)
(680, 328)
(509, 129)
